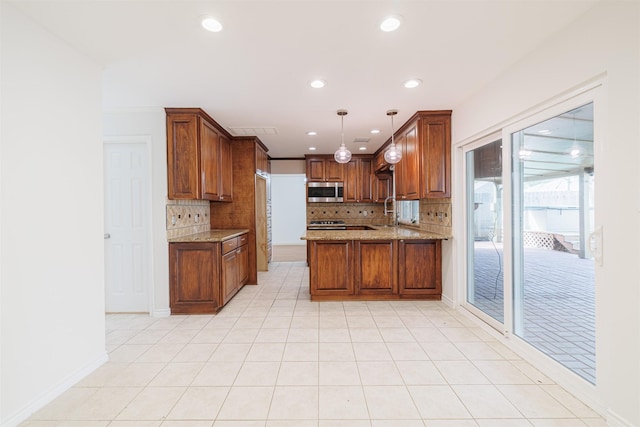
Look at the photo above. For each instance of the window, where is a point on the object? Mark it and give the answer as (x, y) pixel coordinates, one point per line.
(409, 212)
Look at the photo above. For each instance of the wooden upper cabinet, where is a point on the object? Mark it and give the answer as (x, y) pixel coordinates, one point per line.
(425, 168)
(324, 168)
(262, 161)
(226, 170)
(210, 160)
(199, 163)
(183, 153)
(382, 187)
(358, 182)
(435, 146)
(411, 159)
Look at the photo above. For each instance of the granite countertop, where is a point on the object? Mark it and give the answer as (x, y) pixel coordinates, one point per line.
(210, 236)
(379, 233)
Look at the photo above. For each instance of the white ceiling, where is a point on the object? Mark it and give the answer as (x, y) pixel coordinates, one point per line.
(255, 72)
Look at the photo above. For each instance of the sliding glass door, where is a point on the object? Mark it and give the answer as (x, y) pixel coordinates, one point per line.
(529, 202)
(485, 274)
(553, 216)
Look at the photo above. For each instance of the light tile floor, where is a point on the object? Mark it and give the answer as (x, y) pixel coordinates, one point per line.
(272, 358)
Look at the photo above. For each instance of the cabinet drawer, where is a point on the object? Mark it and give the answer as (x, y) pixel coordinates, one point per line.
(229, 245)
(243, 240)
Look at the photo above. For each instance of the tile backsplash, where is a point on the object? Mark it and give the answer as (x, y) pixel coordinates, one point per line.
(187, 217)
(435, 215)
(352, 213)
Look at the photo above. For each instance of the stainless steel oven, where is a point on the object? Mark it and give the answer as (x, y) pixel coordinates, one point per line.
(326, 225)
(325, 192)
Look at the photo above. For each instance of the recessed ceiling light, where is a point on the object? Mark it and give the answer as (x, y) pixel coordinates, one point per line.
(211, 24)
(391, 23)
(317, 84)
(411, 83)
(362, 148)
(312, 148)
(312, 133)
(375, 131)
(544, 131)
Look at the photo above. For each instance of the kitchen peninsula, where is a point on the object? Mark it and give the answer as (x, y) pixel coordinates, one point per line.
(378, 263)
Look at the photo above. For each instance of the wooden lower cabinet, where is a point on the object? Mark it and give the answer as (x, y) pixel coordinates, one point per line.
(420, 268)
(333, 276)
(374, 269)
(204, 276)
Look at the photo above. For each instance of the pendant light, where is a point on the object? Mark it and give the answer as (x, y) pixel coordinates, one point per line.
(342, 155)
(393, 154)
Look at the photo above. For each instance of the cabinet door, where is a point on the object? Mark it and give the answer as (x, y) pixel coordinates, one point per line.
(315, 169)
(226, 170)
(376, 267)
(183, 153)
(399, 169)
(382, 187)
(435, 141)
(333, 171)
(243, 265)
(229, 273)
(331, 272)
(419, 267)
(351, 191)
(366, 178)
(193, 277)
(210, 161)
(411, 161)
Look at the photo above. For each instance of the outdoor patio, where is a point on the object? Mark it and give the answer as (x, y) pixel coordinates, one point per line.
(559, 302)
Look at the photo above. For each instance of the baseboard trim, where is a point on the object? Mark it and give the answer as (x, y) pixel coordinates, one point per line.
(54, 392)
(161, 312)
(614, 420)
(445, 299)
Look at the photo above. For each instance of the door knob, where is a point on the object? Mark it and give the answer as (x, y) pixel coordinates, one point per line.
(107, 236)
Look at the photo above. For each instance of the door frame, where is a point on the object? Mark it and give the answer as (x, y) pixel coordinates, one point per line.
(144, 140)
(591, 91)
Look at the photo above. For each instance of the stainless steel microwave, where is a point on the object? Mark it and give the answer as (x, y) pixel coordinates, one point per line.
(325, 192)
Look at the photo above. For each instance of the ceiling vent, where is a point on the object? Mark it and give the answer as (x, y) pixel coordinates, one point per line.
(361, 140)
(253, 131)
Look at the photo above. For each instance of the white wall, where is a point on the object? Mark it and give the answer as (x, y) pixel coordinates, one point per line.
(51, 229)
(289, 208)
(150, 123)
(604, 42)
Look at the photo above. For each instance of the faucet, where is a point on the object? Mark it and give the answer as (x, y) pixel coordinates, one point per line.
(391, 211)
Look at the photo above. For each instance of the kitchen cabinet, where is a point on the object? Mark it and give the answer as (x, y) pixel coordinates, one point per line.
(382, 187)
(419, 266)
(262, 162)
(249, 207)
(324, 169)
(333, 277)
(435, 148)
(204, 276)
(198, 156)
(379, 163)
(358, 183)
(408, 169)
(194, 279)
(387, 269)
(234, 270)
(425, 168)
(375, 267)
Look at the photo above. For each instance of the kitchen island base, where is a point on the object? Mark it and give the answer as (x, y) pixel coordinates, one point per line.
(364, 270)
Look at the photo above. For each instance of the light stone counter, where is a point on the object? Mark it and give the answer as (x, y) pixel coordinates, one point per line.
(379, 233)
(209, 236)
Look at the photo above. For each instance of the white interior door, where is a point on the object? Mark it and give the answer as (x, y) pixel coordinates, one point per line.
(126, 225)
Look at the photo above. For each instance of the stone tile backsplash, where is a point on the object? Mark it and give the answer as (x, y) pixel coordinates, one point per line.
(435, 215)
(186, 217)
(351, 213)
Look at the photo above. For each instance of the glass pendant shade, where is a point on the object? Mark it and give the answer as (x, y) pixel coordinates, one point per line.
(393, 154)
(342, 155)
